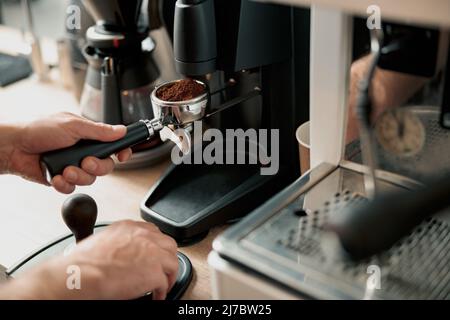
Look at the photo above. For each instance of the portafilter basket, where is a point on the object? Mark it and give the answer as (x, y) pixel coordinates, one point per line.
(179, 113)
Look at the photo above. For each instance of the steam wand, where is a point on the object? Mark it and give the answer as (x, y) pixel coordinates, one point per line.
(364, 112)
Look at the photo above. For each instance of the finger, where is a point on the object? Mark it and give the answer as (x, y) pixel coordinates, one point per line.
(148, 226)
(124, 155)
(160, 293)
(85, 129)
(160, 284)
(172, 278)
(165, 242)
(78, 176)
(97, 167)
(152, 233)
(170, 267)
(61, 185)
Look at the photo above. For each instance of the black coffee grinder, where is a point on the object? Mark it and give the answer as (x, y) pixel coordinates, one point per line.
(237, 47)
(122, 71)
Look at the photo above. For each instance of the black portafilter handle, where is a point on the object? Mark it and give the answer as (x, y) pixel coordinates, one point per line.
(377, 225)
(79, 213)
(54, 162)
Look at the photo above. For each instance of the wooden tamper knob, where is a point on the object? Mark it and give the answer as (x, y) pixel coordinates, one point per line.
(79, 213)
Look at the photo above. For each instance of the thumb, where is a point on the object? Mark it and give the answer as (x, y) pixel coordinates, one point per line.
(85, 129)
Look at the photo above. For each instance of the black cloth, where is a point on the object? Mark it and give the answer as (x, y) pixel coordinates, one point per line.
(13, 68)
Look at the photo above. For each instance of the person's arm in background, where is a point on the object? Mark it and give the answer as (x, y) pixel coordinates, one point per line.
(22, 145)
(388, 89)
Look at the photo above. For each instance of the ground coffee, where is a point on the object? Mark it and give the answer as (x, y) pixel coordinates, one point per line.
(185, 89)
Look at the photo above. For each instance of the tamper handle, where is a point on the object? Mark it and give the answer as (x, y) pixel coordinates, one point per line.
(79, 213)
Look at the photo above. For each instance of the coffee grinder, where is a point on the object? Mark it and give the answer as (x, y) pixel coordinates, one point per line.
(122, 71)
(237, 48)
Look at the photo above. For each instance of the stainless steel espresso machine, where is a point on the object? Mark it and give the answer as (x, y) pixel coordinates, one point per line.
(371, 219)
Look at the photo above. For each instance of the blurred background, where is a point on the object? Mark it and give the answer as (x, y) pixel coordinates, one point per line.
(12, 15)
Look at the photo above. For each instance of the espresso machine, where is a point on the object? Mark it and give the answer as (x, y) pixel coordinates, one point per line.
(371, 219)
(257, 79)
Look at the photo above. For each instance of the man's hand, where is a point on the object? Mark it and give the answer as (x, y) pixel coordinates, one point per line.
(60, 131)
(125, 261)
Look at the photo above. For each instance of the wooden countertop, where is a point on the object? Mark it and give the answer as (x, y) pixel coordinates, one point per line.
(30, 213)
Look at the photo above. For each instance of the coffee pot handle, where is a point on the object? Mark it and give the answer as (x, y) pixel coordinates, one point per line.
(111, 96)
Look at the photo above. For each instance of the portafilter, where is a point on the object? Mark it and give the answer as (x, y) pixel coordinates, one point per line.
(170, 120)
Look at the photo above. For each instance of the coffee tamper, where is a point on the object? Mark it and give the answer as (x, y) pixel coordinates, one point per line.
(79, 213)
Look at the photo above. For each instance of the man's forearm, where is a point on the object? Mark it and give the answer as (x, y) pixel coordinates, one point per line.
(30, 286)
(49, 282)
(388, 89)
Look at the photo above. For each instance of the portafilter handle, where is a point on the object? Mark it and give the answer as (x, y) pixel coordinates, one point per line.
(54, 162)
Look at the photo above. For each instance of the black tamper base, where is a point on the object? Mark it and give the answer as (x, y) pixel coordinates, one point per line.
(189, 199)
(57, 247)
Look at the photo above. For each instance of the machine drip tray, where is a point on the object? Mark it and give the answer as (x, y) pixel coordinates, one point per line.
(191, 198)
